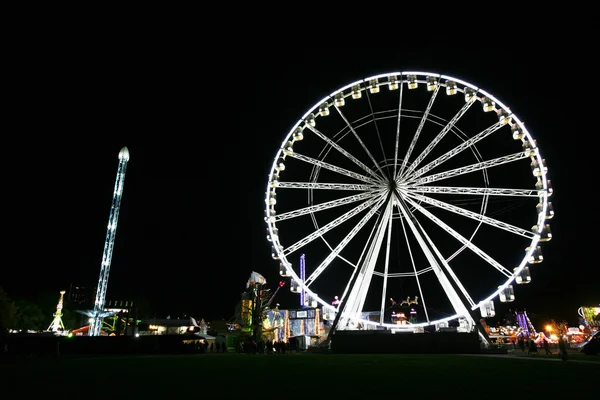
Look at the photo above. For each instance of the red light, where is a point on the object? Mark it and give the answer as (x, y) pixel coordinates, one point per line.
(281, 283)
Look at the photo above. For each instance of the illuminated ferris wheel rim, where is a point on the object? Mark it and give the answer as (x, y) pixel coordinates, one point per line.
(400, 79)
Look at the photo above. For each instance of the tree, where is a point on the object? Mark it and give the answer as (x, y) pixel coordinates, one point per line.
(29, 316)
(8, 312)
(557, 328)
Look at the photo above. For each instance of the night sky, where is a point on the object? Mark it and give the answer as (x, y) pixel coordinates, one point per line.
(202, 135)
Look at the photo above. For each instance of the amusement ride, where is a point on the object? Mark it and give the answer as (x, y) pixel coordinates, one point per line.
(408, 185)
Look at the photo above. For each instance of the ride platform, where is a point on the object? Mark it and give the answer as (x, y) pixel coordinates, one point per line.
(384, 341)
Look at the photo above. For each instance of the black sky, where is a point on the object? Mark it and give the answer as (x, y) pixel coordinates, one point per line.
(202, 128)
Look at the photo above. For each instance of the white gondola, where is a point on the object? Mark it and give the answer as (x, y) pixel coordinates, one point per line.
(517, 132)
(310, 302)
(530, 146)
(431, 83)
(539, 185)
(270, 215)
(295, 287)
(275, 234)
(451, 88)
(298, 135)
(488, 104)
(549, 209)
(328, 314)
(412, 82)
(356, 92)
(310, 120)
(469, 95)
(289, 148)
(324, 110)
(503, 116)
(546, 234)
(374, 86)
(537, 169)
(488, 310)
(536, 256)
(523, 277)
(283, 271)
(393, 83)
(507, 295)
(274, 253)
(339, 100)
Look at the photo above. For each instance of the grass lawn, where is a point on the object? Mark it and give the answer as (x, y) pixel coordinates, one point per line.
(297, 376)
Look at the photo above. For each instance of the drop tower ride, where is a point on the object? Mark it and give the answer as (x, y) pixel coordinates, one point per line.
(97, 314)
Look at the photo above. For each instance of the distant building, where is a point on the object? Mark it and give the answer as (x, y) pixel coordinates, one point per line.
(119, 305)
(82, 297)
(168, 326)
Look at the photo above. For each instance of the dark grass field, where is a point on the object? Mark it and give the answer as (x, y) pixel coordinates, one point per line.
(297, 376)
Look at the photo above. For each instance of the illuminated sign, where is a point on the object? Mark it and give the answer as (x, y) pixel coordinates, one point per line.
(301, 314)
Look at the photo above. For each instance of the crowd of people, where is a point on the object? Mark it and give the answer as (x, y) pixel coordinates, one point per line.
(202, 346)
(532, 346)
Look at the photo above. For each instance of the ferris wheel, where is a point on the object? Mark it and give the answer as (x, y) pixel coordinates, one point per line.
(408, 185)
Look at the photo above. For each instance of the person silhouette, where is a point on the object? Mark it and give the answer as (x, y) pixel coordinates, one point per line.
(546, 347)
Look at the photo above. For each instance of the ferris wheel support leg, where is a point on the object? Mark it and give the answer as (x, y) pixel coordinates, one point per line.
(336, 320)
(451, 292)
(356, 299)
(357, 296)
(485, 339)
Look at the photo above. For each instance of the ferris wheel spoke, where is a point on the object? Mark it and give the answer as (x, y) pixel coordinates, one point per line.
(376, 127)
(404, 274)
(398, 130)
(438, 138)
(326, 228)
(458, 149)
(345, 153)
(412, 260)
(360, 140)
(449, 270)
(386, 268)
(333, 168)
(325, 186)
(423, 241)
(483, 191)
(473, 215)
(464, 241)
(359, 261)
(470, 168)
(356, 299)
(419, 129)
(335, 252)
(324, 206)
